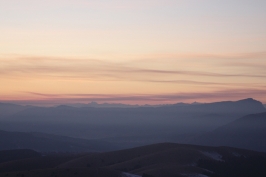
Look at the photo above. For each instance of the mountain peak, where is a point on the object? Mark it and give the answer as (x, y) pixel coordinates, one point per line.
(248, 99)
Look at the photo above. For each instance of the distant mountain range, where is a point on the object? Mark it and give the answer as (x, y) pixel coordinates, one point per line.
(79, 141)
(103, 105)
(158, 160)
(248, 132)
(7, 109)
(118, 128)
(119, 105)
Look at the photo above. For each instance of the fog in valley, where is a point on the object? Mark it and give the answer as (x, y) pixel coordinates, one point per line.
(123, 127)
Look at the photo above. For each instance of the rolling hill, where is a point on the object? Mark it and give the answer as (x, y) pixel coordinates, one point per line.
(248, 132)
(158, 160)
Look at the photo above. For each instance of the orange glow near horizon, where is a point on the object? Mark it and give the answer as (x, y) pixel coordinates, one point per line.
(141, 52)
(140, 81)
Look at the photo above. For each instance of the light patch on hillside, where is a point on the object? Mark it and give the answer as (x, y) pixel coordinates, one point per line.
(213, 155)
(129, 175)
(195, 175)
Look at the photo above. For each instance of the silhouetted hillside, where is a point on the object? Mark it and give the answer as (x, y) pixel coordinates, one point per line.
(158, 160)
(244, 106)
(10, 155)
(46, 161)
(171, 160)
(248, 132)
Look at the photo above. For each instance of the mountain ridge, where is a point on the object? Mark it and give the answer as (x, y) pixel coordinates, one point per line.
(246, 132)
(121, 105)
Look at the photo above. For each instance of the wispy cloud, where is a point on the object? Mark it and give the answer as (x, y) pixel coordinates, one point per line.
(191, 82)
(218, 78)
(101, 69)
(198, 56)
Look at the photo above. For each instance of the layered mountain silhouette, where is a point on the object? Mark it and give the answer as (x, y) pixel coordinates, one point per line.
(79, 141)
(247, 132)
(129, 127)
(7, 109)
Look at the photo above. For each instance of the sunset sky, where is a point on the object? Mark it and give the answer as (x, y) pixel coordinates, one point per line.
(132, 51)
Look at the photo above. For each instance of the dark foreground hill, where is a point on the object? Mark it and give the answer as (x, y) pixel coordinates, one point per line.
(159, 160)
(10, 155)
(50, 143)
(248, 132)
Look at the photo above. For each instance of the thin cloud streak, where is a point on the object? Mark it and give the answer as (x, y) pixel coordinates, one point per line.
(260, 85)
(93, 68)
(200, 56)
(248, 64)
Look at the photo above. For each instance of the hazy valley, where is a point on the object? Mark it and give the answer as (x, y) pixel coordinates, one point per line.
(84, 140)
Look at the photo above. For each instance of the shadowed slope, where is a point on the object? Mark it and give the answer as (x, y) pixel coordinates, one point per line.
(159, 160)
(247, 132)
(165, 159)
(10, 155)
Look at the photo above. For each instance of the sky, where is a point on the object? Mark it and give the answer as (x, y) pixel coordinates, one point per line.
(133, 52)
